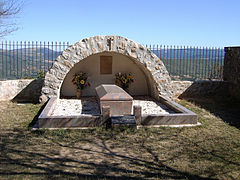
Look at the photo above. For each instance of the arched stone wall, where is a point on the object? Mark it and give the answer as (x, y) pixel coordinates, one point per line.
(91, 66)
(158, 79)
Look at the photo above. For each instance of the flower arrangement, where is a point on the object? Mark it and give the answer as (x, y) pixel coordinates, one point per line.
(123, 80)
(80, 80)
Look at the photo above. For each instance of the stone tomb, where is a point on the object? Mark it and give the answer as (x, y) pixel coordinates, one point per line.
(101, 57)
(119, 101)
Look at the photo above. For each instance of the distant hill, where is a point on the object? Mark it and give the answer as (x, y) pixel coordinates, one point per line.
(190, 53)
(24, 53)
(27, 62)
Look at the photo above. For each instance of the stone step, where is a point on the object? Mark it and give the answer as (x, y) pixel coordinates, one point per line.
(123, 120)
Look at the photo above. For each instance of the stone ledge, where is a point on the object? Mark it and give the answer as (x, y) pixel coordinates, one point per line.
(21, 90)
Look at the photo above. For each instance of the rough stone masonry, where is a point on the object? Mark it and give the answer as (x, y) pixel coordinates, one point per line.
(154, 69)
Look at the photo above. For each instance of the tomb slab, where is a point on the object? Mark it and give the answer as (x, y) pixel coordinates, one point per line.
(119, 101)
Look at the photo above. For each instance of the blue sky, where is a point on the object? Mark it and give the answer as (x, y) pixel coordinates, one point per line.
(167, 22)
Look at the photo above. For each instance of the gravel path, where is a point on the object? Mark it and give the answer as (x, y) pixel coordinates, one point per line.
(74, 107)
(150, 106)
(89, 105)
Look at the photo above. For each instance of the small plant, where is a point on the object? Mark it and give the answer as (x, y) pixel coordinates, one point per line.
(41, 74)
(80, 80)
(123, 79)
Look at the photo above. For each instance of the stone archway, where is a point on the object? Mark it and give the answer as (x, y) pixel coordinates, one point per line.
(92, 67)
(155, 71)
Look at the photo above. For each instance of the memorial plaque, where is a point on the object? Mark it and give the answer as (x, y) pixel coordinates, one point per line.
(105, 64)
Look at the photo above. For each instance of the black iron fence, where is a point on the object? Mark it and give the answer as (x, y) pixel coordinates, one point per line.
(191, 63)
(29, 59)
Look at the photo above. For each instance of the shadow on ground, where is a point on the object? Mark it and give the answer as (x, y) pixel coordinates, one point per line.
(210, 151)
(20, 156)
(214, 96)
(50, 154)
(228, 109)
(34, 122)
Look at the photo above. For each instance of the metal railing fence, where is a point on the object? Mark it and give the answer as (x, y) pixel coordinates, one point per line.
(28, 59)
(191, 63)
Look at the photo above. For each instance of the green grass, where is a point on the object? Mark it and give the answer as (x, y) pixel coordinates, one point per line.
(208, 151)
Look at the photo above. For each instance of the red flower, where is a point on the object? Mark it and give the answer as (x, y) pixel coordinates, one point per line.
(89, 84)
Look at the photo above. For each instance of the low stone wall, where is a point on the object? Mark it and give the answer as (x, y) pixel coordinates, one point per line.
(25, 90)
(200, 89)
(10, 88)
(178, 87)
(22, 90)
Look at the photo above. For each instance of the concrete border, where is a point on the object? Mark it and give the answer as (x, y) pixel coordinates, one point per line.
(182, 117)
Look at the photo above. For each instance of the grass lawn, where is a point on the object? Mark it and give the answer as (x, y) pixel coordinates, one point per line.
(210, 151)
